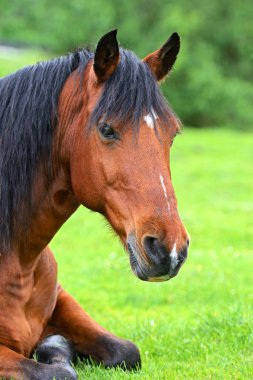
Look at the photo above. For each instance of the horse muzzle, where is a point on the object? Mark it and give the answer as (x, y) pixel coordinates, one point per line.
(158, 263)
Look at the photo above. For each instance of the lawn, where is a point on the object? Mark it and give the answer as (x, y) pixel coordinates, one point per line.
(12, 59)
(199, 325)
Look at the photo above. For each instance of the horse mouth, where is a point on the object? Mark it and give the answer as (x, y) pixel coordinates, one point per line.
(135, 265)
(148, 273)
(157, 268)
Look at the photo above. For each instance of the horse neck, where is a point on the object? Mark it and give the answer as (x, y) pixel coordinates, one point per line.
(54, 204)
(51, 206)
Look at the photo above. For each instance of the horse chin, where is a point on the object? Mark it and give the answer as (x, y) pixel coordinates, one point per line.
(141, 275)
(147, 273)
(144, 273)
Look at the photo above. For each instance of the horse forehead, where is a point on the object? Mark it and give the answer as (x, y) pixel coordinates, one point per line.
(150, 141)
(150, 118)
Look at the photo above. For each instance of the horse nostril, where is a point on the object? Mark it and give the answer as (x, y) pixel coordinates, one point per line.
(188, 242)
(156, 252)
(183, 254)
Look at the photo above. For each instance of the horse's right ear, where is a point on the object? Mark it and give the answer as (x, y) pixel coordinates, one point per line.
(106, 56)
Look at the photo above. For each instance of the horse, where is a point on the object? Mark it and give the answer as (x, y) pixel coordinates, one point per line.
(92, 129)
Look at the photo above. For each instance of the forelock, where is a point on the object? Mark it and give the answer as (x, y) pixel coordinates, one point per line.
(130, 93)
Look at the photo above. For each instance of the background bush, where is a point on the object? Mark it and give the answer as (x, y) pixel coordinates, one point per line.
(212, 83)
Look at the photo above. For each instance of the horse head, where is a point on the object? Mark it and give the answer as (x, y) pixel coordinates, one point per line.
(117, 144)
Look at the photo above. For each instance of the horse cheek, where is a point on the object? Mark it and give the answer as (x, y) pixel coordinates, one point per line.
(87, 182)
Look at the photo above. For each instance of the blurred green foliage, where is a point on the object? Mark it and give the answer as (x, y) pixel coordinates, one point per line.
(212, 82)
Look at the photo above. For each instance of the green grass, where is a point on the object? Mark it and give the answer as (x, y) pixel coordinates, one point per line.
(200, 324)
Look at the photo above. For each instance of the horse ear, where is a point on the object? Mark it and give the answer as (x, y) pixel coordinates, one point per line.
(162, 60)
(106, 56)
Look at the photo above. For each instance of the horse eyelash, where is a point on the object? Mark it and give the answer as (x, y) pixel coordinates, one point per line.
(178, 132)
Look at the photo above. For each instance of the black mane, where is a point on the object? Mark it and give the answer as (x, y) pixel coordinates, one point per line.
(129, 94)
(28, 118)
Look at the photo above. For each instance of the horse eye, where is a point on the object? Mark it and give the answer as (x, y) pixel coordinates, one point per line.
(108, 132)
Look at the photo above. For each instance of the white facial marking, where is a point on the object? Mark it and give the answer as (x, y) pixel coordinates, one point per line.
(174, 257)
(165, 192)
(149, 119)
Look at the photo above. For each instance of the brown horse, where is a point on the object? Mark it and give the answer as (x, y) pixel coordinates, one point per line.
(91, 129)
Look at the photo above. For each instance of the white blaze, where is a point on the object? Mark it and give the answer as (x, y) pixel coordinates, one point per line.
(149, 119)
(165, 192)
(174, 257)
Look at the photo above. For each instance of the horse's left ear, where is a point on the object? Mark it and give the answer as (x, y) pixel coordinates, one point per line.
(162, 60)
(106, 56)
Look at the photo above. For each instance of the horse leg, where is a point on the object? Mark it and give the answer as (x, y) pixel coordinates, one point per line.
(88, 337)
(56, 349)
(16, 366)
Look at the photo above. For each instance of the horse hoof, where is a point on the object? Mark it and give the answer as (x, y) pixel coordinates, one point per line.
(121, 353)
(57, 372)
(57, 353)
(65, 372)
(39, 371)
(55, 349)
